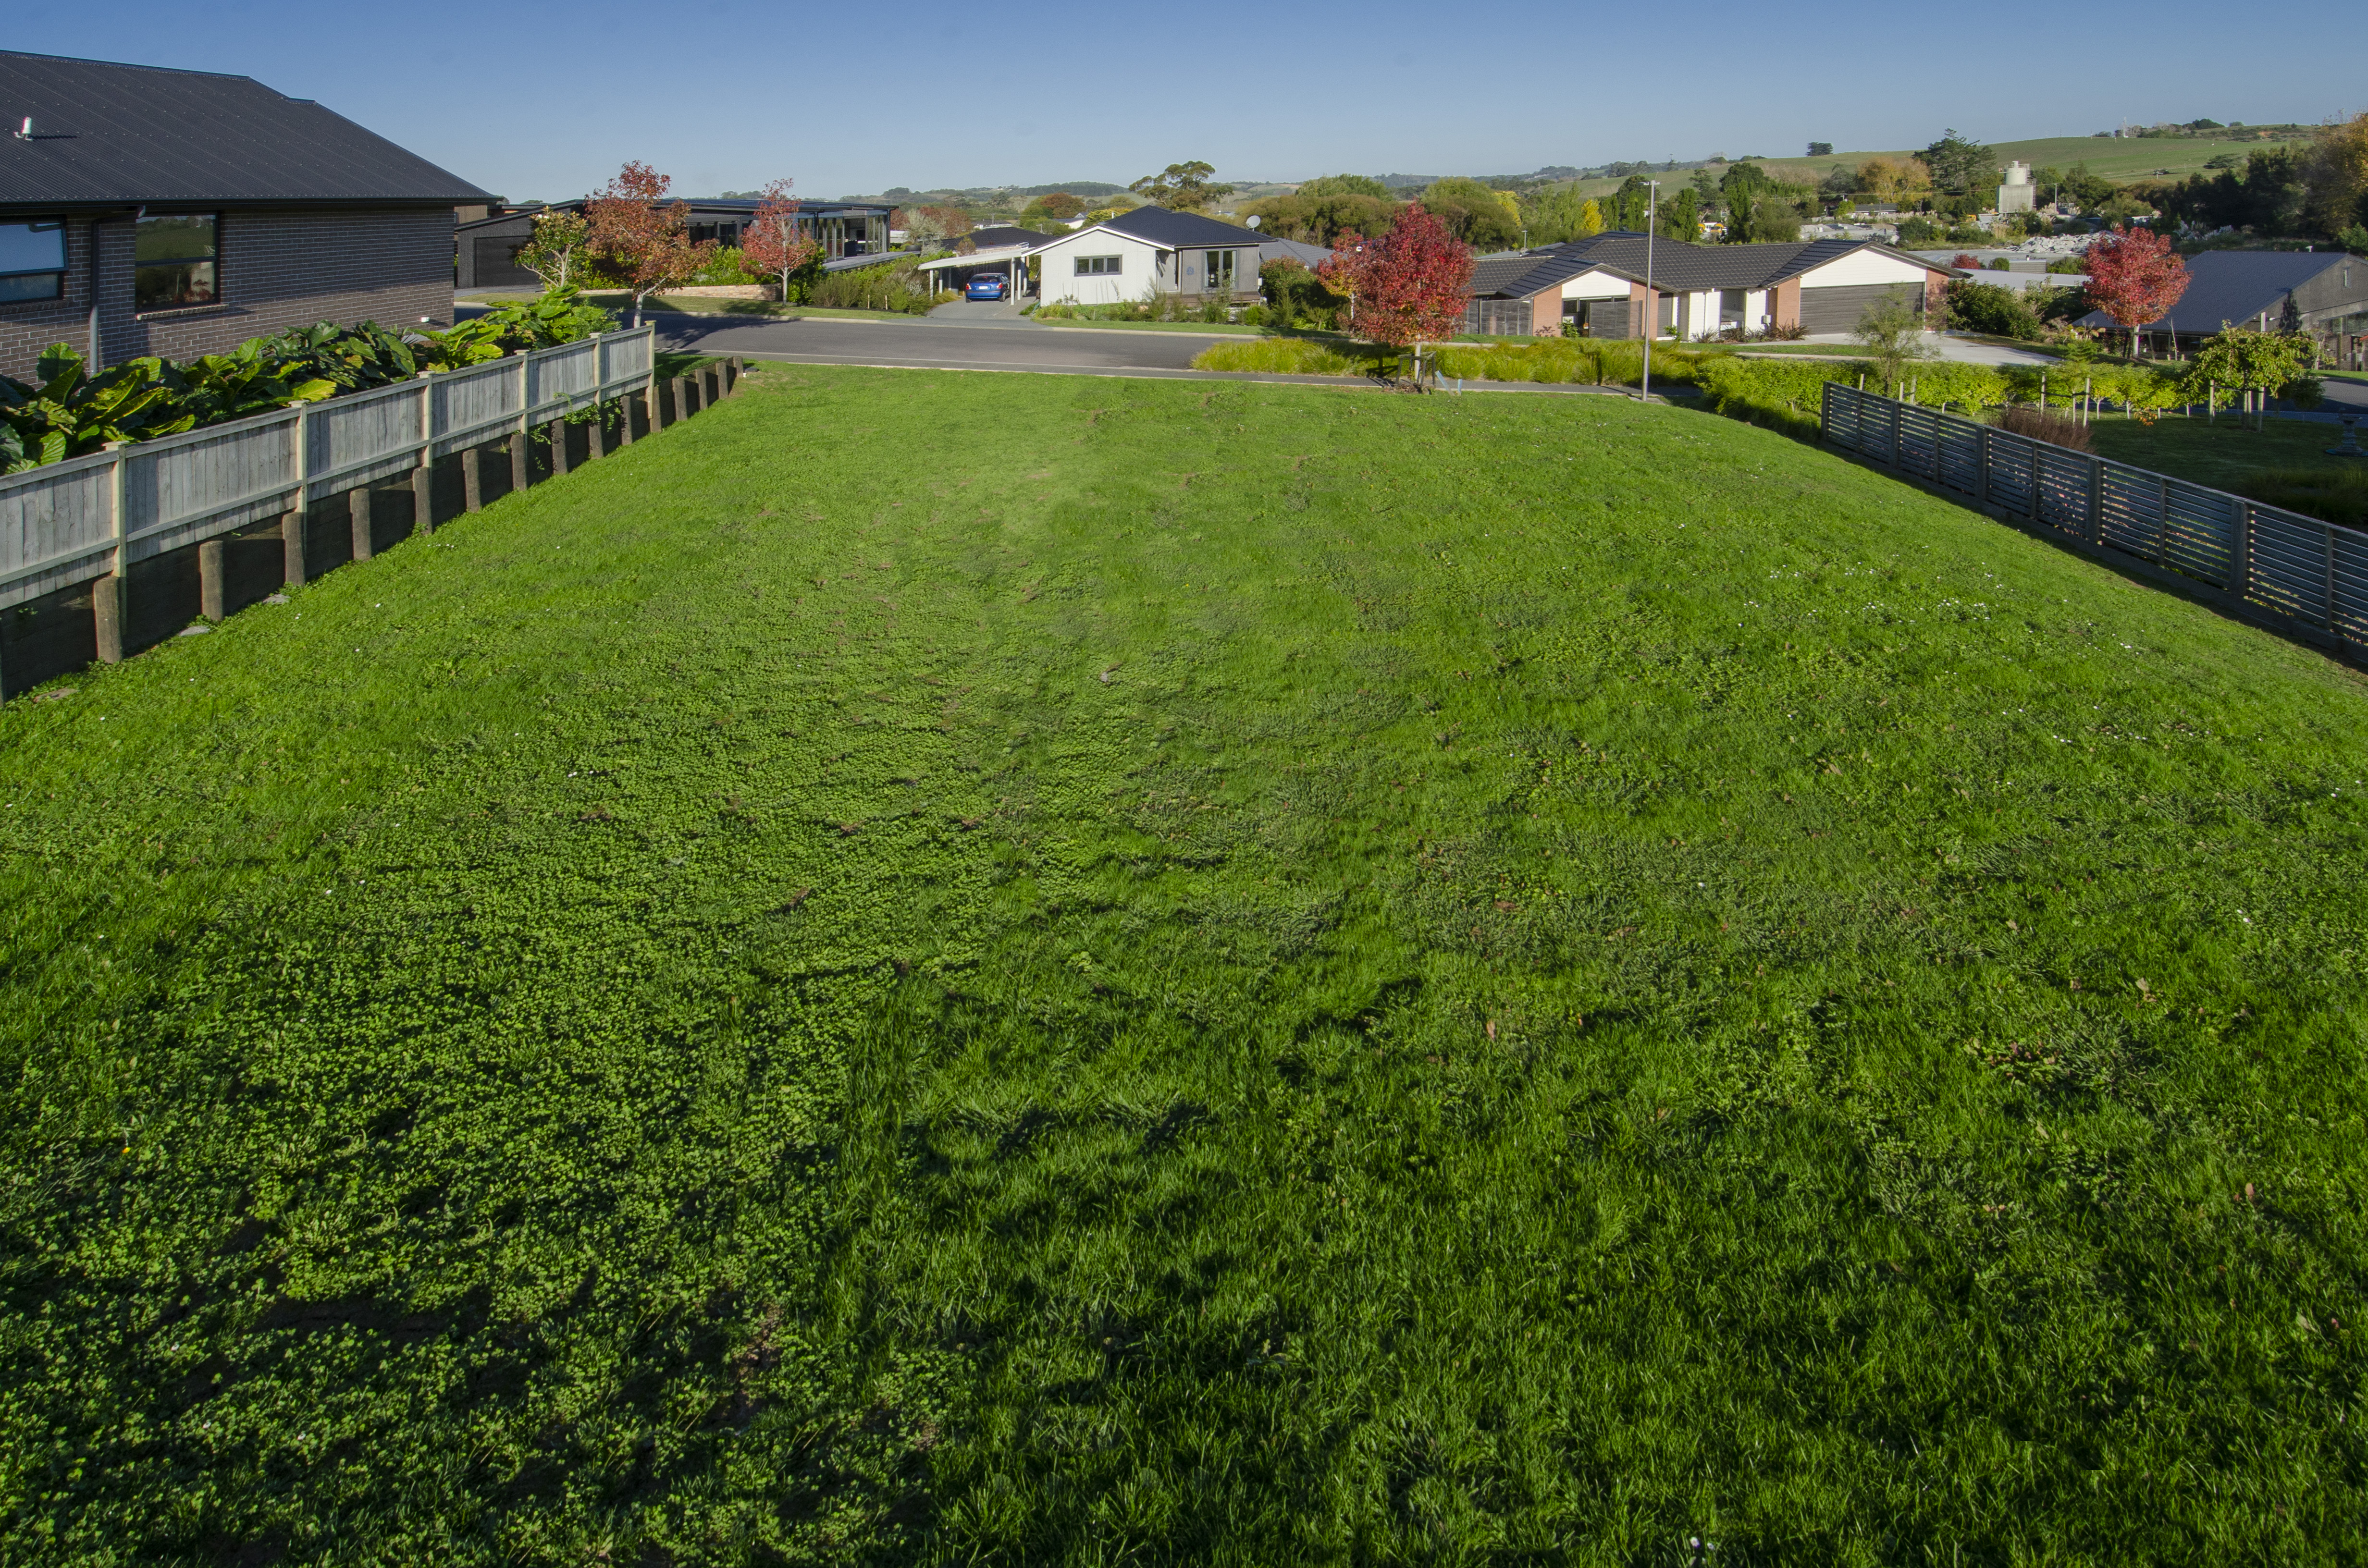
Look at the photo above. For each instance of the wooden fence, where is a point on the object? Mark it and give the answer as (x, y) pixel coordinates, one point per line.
(91, 519)
(2308, 577)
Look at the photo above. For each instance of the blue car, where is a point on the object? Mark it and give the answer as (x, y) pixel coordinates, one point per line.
(986, 286)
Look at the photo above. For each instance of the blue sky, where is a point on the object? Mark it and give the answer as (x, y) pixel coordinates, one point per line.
(534, 99)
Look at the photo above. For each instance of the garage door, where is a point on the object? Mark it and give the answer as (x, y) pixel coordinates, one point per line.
(497, 265)
(1838, 309)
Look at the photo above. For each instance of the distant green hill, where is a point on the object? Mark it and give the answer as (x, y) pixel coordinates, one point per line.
(2124, 159)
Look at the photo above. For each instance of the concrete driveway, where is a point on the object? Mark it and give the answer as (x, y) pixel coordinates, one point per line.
(981, 310)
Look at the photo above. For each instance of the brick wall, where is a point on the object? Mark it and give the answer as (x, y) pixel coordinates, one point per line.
(278, 269)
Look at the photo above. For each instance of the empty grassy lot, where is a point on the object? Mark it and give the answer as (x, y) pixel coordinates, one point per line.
(1023, 970)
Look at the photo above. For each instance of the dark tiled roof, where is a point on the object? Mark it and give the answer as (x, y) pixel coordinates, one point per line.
(1176, 230)
(1680, 267)
(1006, 234)
(2235, 286)
(1520, 275)
(107, 134)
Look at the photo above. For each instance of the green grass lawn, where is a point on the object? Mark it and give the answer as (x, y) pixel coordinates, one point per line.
(2273, 463)
(1010, 969)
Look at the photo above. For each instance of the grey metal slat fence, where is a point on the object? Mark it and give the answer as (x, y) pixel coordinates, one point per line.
(2310, 575)
(91, 517)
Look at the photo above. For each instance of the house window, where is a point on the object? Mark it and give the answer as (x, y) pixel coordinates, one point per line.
(33, 260)
(1218, 276)
(174, 262)
(1098, 266)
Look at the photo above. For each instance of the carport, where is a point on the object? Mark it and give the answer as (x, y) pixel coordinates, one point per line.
(956, 271)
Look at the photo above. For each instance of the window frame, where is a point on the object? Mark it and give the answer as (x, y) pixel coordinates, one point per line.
(57, 275)
(1090, 266)
(1213, 267)
(211, 261)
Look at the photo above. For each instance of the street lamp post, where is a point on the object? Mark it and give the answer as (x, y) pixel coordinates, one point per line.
(1652, 305)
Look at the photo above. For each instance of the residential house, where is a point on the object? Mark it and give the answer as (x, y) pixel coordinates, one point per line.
(1611, 284)
(486, 250)
(146, 210)
(1149, 251)
(997, 248)
(2324, 293)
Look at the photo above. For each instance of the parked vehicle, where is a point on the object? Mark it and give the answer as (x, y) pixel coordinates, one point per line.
(987, 286)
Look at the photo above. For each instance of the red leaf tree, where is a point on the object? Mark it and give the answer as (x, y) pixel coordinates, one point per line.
(1405, 286)
(644, 236)
(774, 242)
(2135, 277)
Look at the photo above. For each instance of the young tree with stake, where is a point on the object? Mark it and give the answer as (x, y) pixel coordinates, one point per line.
(556, 249)
(2135, 277)
(774, 241)
(644, 237)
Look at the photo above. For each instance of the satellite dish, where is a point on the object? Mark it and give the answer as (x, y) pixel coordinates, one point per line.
(1254, 221)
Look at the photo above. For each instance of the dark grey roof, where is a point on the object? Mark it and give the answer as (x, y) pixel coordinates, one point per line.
(110, 135)
(2234, 286)
(997, 234)
(1300, 250)
(1526, 273)
(1176, 230)
(1678, 266)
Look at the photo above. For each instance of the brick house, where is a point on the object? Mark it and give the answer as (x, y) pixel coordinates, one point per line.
(1609, 285)
(146, 210)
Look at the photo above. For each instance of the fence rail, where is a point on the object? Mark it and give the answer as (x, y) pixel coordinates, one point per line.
(94, 516)
(2305, 575)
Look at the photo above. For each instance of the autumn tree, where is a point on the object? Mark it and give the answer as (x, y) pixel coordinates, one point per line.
(557, 250)
(2135, 277)
(1405, 286)
(775, 241)
(644, 236)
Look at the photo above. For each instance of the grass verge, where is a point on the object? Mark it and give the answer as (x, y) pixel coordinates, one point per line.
(1028, 969)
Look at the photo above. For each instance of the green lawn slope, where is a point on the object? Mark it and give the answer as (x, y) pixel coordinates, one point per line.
(1033, 970)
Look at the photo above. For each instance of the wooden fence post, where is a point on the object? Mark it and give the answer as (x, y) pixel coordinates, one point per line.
(521, 457)
(596, 435)
(681, 389)
(292, 548)
(473, 479)
(358, 509)
(293, 565)
(558, 446)
(422, 477)
(210, 580)
(625, 418)
(110, 604)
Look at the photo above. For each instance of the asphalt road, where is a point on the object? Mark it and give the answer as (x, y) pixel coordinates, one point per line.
(937, 345)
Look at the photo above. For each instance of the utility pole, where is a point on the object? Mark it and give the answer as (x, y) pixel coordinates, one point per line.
(1652, 288)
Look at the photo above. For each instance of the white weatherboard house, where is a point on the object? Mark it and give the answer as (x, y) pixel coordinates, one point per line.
(1148, 252)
